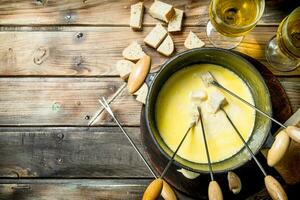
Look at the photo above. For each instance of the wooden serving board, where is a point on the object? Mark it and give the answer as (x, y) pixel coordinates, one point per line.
(251, 177)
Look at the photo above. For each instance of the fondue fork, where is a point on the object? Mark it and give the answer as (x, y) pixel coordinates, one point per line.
(208, 79)
(214, 190)
(151, 192)
(273, 186)
(155, 187)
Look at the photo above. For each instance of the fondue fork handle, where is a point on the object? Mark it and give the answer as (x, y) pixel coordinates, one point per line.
(215, 83)
(174, 154)
(206, 146)
(106, 106)
(245, 143)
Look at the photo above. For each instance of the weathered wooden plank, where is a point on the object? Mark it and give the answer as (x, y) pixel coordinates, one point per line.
(70, 152)
(73, 101)
(104, 189)
(74, 189)
(93, 12)
(94, 51)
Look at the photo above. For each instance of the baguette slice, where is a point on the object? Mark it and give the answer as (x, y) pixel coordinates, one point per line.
(175, 23)
(162, 11)
(156, 36)
(124, 68)
(192, 41)
(216, 100)
(167, 46)
(136, 16)
(133, 52)
(141, 94)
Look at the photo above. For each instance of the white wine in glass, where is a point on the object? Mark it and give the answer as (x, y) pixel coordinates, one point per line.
(230, 20)
(283, 50)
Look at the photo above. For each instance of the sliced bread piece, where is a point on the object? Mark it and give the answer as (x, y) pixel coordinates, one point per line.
(199, 95)
(216, 100)
(141, 94)
(156, 36)
(124, 68)
(175, 23)
(162, 11)
(192, 41)
(133, 52)
(136, 16)
(167, 46)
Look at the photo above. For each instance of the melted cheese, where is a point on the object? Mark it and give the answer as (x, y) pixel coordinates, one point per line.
(174, 113)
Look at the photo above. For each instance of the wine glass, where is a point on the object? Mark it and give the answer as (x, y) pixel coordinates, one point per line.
(230, 20)
(283, 50)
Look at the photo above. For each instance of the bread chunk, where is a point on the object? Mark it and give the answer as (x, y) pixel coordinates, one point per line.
(156, 36)
(167, 46)
(124, 68)
(141, 94)
(162, 11)
(175, 23)
(133, 52)
(136, 16)
(193, 41)
(199, 95)
(216, 100)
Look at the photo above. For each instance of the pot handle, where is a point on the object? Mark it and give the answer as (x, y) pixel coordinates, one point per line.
(149, 79)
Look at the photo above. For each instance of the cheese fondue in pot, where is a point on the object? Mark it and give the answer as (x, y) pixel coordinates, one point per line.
(175, 110)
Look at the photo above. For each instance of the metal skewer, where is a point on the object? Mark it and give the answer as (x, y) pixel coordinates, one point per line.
(208, 78)
(178, 147)
(245, 143)
(273, 187)
(206, 146)
(215, 83)
(92, 121)
(105, 105)
(214, 190)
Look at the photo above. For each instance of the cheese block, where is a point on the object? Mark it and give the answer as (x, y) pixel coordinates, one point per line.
(156, 36)
(192, 41)
(162, 11)
(124, 68)
(167, 46)
(133, 52)
(175, 23)
(136, 16)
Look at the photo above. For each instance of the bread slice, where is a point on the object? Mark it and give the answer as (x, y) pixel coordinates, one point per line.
(175, 23)
(216, 100)
(124, 68)
(192, 41)
(162, 11)
(133, 52)
(141, 94)
(167, 46)
(136, 16)
(156, 36)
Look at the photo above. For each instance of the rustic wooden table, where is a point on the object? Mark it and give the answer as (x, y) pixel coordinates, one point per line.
(56, 59)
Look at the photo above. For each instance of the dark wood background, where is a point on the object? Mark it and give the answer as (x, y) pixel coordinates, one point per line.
(56, 59)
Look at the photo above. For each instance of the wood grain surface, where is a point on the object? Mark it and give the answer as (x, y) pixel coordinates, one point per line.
(95, 51)
(73, 101)
(93, 12)
(70, 153)
(56, 59)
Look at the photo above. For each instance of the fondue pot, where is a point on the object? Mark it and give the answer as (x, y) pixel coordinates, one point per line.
(241, 67)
